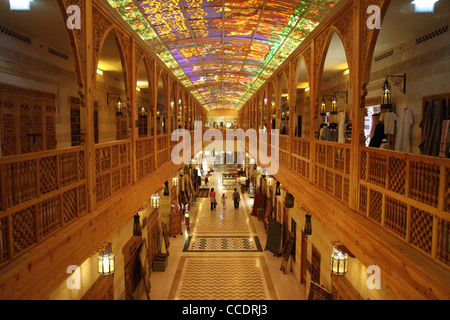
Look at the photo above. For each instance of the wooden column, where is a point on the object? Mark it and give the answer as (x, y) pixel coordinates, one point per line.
(312, 114)
(132, 86)
(89, 74)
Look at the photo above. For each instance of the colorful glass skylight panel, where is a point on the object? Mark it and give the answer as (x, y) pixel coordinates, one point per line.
(223, 51)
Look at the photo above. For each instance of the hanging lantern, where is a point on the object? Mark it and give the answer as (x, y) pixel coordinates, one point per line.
(175, 181)
(323, 108)
(119, 106)
(137, 226)
(386, 97)
(106, 262)
(339, 262)
(277, 189)
(166, 188)
(308, 226)
(155, 201)
(334, 106)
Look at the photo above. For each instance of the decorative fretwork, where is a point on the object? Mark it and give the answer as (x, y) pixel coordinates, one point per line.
(49, 216)
(424, 182)
(443, 241)
(377, 169)
(396, 216)
(397, 175)
(48, 174)
(4, 243)
(375, 207)
(70, 205)
(421, 229)
(23, 229)
(363, 199)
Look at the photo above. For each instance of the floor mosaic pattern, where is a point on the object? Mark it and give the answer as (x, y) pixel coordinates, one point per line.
(222, 244)
(223, 279)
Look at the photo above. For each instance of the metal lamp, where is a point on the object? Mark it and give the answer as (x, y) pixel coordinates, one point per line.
(137, 225)
(105, 262)
(166, 188)
(339, 262)
(277, 189)
(155, 201)
(308, 226)
(119, 106)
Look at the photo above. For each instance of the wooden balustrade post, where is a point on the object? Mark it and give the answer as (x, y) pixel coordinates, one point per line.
(89, 75)
(357, 108)
(312, 115)
(132, 87)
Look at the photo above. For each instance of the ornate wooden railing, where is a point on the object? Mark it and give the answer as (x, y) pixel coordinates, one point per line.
(162, 150)
(332, 169)
(300, 158)
(40, 193)
(145, 156)
(112, 167)
(408, 195)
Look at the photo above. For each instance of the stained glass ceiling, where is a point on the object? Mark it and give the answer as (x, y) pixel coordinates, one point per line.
(223, 51)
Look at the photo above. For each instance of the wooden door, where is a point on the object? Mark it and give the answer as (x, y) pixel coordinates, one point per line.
(286, 233)
(315, 265)
(153, 235)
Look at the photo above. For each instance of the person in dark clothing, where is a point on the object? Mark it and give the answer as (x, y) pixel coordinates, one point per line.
(236, 198)
(378, 136)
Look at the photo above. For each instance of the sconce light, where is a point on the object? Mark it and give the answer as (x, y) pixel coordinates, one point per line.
(334, 106)
(323, 111)
(175, 181)
(308, 225)
(334, 101)
(155, 201)
(137, 225)
(118, 102)
(323, 107)
(269, 181)
(339, 262)
(105, 262)
(143, 111)
(386, 102)
(277, 189)
(166, 188)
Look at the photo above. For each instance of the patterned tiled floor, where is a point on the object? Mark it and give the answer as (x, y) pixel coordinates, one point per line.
(222, 244)
(231, 278)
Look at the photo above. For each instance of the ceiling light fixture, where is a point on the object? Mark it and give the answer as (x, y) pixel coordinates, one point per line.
(424, 5)
(20, 4)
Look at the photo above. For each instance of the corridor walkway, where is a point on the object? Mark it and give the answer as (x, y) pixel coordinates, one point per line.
(222, 257)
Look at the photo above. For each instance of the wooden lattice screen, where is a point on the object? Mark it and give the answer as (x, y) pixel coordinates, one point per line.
(28, 120)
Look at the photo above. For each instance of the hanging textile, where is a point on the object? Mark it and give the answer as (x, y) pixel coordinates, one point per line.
(445, 139)
(435, 113)
(403, 137)
(389, 119)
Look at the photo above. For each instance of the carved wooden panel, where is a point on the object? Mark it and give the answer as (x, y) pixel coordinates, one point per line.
(28, 120)
(101, 289)
(132, 265)
(315, 265)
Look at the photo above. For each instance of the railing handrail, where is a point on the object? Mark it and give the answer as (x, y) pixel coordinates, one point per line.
(39, 155)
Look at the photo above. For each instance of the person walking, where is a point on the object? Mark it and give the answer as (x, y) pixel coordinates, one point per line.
(236, 198)
(224, 201)
(212, 198)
